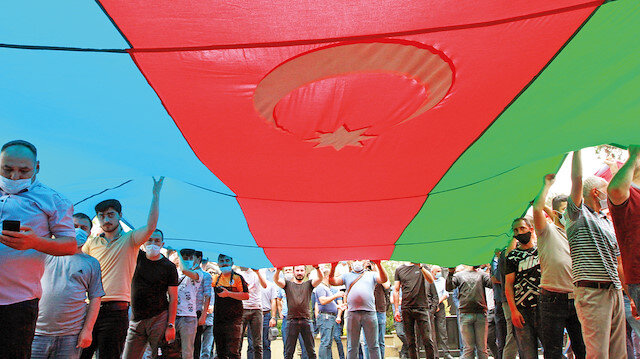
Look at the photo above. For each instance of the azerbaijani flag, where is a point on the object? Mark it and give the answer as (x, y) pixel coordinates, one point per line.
(299, 132)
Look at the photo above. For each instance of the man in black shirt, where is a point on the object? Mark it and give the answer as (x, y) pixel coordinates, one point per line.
(415, 307)
(153, 316)
(522, 283)
(298, 298)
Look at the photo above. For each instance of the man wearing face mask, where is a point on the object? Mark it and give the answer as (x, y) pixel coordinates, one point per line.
(328, 301)
(186, 315)
(624, 195)
(556, 304)
(230, 290)
(117, 252)
(596, 267)
(154, 317)
(42, 214)
(65, 321)
(203, 298)
(522, 282)
(361, 305)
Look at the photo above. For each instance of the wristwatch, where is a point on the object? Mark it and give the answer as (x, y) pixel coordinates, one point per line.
(170, 325)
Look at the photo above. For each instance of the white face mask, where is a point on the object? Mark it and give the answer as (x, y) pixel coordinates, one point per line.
(604, 204)
(14, 186)
(357, 266)
(81, 236)
(153, 249)
(288, 276)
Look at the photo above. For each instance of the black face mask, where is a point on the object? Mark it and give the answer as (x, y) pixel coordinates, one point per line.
(523, 238)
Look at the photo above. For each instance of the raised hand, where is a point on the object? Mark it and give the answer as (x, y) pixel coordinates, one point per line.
(157, 185)
(549, 179)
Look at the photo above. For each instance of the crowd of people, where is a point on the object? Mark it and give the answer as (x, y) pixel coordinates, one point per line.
(572, 267)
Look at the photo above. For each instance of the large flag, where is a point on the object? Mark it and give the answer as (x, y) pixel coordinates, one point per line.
(298, 132)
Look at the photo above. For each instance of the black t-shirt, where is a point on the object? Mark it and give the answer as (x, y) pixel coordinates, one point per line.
(228, 309)
(149, 286)
(412, 283)
(298, 298)
(525, 263)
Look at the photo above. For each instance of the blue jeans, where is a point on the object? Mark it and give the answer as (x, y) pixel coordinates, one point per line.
(55, 347)
(325, 323)
(337, 337)
(382, 328)
(474, 334)
(368, 322)
(266, 343)
(558, 312)
(527, 336)
(207, 342)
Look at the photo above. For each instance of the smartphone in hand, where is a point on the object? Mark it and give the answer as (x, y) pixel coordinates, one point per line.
(10, 225)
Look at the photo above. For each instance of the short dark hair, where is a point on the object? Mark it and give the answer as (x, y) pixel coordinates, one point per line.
(81, 215)
(109, 203)
(187, 252)
(159, 231)
(198, 254)
(22, 143)
(224, 255)
(558, 200)
(526, 220)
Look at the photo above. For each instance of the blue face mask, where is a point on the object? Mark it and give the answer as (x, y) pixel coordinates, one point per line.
(81, 237)
(226, 269)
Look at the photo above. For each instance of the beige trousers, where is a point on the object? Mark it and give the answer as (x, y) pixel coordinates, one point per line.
(601, 313)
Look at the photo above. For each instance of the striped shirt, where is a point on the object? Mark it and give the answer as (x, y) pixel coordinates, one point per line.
(594, 249)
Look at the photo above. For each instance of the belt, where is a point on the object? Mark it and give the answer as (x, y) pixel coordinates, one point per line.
(591, 284)
(549, 293)
(114, 305)
(329, 313)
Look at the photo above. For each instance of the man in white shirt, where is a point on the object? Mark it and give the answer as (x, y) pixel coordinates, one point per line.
(35, 214)
(269, 310)
(252, 309)
(187, 317)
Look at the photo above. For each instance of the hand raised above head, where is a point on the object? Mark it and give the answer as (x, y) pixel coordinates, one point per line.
(549, 179)
(157, 185)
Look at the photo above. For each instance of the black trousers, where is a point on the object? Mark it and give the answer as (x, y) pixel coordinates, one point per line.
(558, 312)
(440, 318)
(109, 334)
(17, 328)
(228, 338)
(295, 327)
(417, 319)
